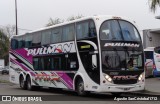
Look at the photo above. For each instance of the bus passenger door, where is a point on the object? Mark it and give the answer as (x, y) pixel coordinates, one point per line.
(90, 64)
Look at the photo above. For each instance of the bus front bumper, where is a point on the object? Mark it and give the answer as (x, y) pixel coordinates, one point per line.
(122, 88)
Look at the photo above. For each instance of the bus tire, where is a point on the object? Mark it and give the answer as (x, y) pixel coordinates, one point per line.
(29, 86)
(22, 83)
(80, 88)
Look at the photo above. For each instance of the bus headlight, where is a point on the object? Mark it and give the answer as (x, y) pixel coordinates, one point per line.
(140, 77)
(108, 78)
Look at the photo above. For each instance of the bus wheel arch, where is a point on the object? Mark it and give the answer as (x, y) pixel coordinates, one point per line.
(79, 86)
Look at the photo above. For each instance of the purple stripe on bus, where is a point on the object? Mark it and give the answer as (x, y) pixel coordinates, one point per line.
(23, 53)
(23, 67)
(66, 78)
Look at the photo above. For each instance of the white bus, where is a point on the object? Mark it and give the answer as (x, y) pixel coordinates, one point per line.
(91, 54)
(152, 61)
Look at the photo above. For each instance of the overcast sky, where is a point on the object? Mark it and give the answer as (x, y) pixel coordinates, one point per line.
(34, 14)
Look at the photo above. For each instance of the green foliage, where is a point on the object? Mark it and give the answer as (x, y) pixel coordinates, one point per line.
(4, 47)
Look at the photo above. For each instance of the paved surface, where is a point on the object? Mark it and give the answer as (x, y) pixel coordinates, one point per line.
(4, 77)
(153, 84)
(12, 89)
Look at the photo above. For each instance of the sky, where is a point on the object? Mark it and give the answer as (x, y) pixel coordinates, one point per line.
(34, 14)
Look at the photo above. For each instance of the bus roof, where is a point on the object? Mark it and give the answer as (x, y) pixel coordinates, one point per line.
(76, 20)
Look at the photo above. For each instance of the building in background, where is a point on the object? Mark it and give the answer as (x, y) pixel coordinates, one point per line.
(151, 37)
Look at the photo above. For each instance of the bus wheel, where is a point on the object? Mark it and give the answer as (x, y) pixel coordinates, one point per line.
(80, 88)
(22, 83)
(29, 86)
(116, 94)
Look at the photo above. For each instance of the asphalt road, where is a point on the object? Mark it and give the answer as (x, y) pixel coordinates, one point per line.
(60, 96)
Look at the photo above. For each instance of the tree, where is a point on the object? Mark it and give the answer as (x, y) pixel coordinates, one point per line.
(58, 20)
(54, 21)
(4, 47)
(9, 30)
(74, 17)
(154, 4)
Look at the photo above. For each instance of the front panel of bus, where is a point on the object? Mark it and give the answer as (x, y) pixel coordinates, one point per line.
(121, 53)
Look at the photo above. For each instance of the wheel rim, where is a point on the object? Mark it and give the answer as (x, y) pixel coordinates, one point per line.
(81, 87)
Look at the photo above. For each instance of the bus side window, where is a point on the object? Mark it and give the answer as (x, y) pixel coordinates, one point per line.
(82, 30)
(47, 63)
(20, 42)
(72, 62)
(36, 39)
(14, 44)
(57, 63)
(68, 33)
(148, 54)
(92, 29)
(46, 37)
(35, 63)
(56, 35)
(40, 64)
(28, 41)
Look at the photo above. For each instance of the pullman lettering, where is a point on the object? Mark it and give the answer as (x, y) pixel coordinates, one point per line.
(121, 44)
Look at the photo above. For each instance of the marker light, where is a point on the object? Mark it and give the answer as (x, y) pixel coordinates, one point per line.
(115, 17)
(140, 77)
(108, 78)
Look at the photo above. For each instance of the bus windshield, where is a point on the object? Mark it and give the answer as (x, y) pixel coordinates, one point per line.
(118, 30)
(122, 60)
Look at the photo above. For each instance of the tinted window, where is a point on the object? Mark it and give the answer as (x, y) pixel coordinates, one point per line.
(122, 60)
(110, 30)
(129, 31)
(56, 35)
(85, 29)
(46, 37)
(57, 63)
(68, 33)
(35, 63)
(157, 50)
(14, 43)
(28, 40)
(38, 63)
(118, 30)
(20, 42)
(82, 30)
(47, 64)
(36, 39)
(92, 29)
(148, 54)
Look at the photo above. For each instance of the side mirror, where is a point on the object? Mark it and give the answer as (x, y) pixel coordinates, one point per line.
(94, 62)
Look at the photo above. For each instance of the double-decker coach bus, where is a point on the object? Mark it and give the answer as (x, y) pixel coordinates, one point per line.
(91, 54)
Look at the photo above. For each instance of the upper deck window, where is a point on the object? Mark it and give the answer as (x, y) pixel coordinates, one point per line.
(68, 33)
(36, 39)
(46, 37)
(85, 29)
(118, 30)
(56, 35)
